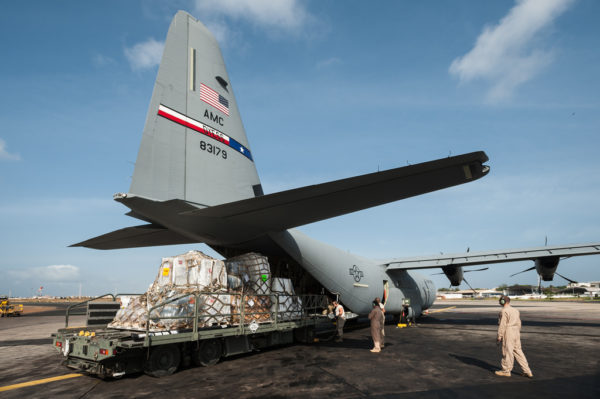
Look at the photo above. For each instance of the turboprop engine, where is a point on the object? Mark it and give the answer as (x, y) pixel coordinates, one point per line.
(455, 274)
(546, 267)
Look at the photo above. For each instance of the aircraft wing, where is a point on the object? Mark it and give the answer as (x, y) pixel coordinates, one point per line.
(487, 257)
(292, 208)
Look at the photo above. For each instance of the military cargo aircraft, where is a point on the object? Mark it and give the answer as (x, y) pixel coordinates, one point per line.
(195, 181)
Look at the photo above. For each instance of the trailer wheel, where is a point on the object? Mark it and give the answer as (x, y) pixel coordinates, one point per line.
(208, 354)
(163, 361)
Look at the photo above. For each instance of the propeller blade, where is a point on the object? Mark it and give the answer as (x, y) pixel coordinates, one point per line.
(568, 279)
(476, 270)
(433, 274)
(470, 286)
(526, 270)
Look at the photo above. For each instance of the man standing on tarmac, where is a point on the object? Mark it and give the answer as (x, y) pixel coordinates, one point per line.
(382, 307)
(509, 334)
(340, 320)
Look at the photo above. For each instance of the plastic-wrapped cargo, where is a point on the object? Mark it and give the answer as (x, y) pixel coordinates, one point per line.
(222, 288)
(252, 270)
(285, 303)
(282, 285)
(192, 269)
(181, 309)
(133, 315)
(215, 310)
(179, 275)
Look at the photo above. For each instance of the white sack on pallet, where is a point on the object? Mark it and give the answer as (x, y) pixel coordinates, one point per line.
(282, 285)
(288, 307)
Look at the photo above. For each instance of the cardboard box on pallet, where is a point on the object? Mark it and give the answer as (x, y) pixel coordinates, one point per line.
(256, 308)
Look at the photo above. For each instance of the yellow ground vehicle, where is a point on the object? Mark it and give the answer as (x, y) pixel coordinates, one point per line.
(7, 309)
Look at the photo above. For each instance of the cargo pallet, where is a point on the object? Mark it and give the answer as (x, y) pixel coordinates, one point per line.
(111, 352)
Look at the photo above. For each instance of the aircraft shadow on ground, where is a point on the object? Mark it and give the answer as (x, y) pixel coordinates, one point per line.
(20, 342)
(584, 386)
(489, 321)
(349, 343)
(471, 361)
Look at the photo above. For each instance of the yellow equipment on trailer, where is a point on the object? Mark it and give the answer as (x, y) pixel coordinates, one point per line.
(7, 309)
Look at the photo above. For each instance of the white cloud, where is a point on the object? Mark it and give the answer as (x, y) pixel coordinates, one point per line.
(145, 55)
(283, 14)
(504, 54)
(220, 31)
(5, 155)
(48, 274)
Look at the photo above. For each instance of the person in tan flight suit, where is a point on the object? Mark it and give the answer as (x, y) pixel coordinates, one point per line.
(382, 342)
(376, 317)
(509, 334)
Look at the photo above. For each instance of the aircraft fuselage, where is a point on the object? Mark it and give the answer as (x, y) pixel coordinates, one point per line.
(357, 280)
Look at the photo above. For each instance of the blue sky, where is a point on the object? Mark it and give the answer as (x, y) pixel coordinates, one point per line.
(327, 90)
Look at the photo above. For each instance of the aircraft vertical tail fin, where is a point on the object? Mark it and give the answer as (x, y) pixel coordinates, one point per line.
(194, 146)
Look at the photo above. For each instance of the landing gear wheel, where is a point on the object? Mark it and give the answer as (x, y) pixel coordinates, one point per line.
(163, 361)
(208, 354)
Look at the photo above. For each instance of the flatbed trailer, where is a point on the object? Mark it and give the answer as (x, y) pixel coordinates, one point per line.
(111, 352)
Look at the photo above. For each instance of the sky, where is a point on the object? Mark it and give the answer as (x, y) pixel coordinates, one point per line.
(327, 90)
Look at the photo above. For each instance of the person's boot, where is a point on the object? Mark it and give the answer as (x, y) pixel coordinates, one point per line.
(502, 373)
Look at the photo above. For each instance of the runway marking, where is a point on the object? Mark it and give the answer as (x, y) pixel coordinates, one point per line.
(38, 382)
(441, 310)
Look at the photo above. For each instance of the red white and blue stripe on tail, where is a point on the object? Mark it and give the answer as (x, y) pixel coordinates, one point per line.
(201, 128)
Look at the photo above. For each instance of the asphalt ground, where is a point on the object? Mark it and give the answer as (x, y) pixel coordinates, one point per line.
(451, 353)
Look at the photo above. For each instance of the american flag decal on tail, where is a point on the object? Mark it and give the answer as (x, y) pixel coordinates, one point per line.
(213, 98)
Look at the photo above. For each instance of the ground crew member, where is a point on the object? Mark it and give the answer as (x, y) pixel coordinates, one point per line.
(382, 307)
(509, 334)
(376, 317)
(340, 320)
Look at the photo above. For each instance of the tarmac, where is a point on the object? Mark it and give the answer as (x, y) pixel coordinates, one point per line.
(450, 353)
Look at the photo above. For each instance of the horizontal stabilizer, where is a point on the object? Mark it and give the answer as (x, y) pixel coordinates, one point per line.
(292, 208)
(244, 220)
(499, 256)
(147, 235)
